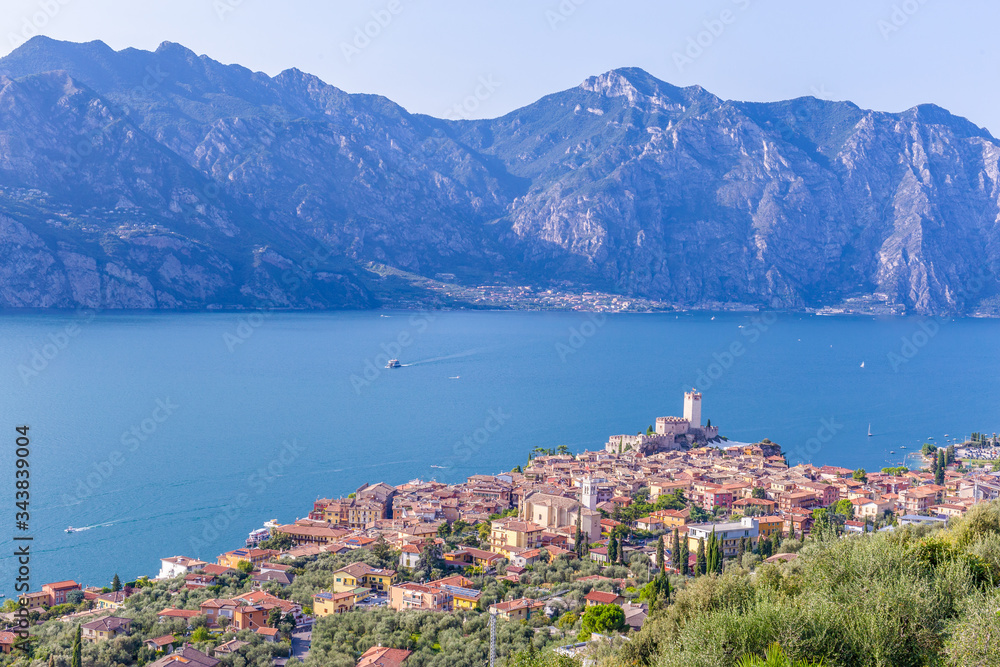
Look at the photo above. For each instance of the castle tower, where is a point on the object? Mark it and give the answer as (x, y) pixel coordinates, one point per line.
(692, 408)
(588, 493)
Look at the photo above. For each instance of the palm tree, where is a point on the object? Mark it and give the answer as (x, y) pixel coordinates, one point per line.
(774, 657)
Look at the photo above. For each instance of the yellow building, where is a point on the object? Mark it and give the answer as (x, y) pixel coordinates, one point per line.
(362, 575)
(34, 601)
(325, 603)
(113, 600)
(511, 535)
(253, 556)
(768, 525)
(518, 610)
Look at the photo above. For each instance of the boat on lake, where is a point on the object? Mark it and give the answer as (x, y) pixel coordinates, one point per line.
(393, 363)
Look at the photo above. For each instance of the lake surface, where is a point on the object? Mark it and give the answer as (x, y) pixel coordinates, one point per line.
(177, 434)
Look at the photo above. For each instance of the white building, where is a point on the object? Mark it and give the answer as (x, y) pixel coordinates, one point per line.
(728, 534)
(692, 408)
(176, 566)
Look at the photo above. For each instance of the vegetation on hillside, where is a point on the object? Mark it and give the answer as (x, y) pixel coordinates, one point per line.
(914, 596)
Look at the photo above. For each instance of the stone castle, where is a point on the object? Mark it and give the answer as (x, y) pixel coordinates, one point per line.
(672, 433)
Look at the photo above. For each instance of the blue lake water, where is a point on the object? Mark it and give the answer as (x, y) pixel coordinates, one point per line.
(176, 434)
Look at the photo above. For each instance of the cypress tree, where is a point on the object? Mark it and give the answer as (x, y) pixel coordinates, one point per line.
(659, 554)
(699, 566)
(116, 583)
(612, 548)
(77, 660)
(741, 549)
(621, 550)
(941, 465)
(578, 541)
(682, 552)
(675, 551)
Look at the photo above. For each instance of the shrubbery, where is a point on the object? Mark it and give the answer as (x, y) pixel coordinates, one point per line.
(915, 596)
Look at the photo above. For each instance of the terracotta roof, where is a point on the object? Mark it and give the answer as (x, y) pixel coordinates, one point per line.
(601, 597)
(179, 613)
(165, 640)
(62, 585)
(378, 656)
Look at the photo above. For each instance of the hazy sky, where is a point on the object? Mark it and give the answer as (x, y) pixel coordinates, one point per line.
(430, 55)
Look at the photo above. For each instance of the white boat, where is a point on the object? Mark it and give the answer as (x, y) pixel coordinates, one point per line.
(869, 430)
(393, 363)
(71, 529)
(862, 364)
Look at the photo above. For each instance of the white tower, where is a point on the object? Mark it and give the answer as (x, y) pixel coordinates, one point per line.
(588, 493)
(692, 408)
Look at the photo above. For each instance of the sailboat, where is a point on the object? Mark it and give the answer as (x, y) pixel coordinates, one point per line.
(862, 364)
(869, 430)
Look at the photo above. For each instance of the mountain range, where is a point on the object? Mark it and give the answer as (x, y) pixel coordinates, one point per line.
(167, 180)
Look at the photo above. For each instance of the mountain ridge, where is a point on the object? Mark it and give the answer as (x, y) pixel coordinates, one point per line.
(624, 184)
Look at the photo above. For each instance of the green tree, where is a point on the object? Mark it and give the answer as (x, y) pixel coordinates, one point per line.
(684, 558)
(700, 562)
(245, 566)
(649, 430)
(201, 635)
(675, 551)
(578, 540)
(444, 530)
(659, 554)
(77, 659)
(861, 475)
(382, 551)
(116, 583)
(601, 618)
(713, 555)
(942, 463)
(612, 548)
(758, 492)
(845, 508)
(274, 617)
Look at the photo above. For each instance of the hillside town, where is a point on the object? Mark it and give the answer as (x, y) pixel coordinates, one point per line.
(677, 500)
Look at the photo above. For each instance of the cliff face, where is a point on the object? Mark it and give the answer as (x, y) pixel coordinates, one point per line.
(167, 180)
